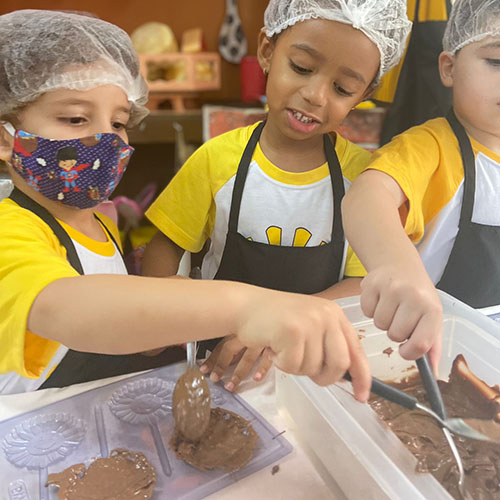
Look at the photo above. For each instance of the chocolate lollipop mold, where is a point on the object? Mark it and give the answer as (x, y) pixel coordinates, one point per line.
(41, 441)
(145, 402)
(133, 432)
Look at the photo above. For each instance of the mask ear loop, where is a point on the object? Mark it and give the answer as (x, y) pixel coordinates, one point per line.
(9, 128)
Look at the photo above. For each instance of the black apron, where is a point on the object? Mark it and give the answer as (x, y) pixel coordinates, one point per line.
(292, 269)
(77, 367)
(420, 95)
(472, 273)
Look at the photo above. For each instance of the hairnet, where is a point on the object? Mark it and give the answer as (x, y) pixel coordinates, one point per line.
(42, 50)
(471, 21)
(384, 22)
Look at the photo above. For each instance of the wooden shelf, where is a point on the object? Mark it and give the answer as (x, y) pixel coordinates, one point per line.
(157, 127)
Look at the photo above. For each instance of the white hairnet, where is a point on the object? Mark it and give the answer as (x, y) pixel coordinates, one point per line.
(384, 22)
(44, 50)
(471, 21)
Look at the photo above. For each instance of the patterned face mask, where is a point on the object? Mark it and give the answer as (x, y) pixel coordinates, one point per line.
(77, 172)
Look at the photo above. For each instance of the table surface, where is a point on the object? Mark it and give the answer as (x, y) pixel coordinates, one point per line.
(297, 478)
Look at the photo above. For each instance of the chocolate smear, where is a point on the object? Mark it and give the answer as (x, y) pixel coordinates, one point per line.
(227, 444)
(124, 475)
(465, 395)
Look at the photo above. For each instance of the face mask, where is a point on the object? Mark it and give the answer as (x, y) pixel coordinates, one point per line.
(77, 172)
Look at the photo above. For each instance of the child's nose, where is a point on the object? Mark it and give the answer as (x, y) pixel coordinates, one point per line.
(315, 93)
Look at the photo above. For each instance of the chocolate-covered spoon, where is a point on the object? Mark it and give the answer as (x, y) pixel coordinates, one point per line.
(191, 398)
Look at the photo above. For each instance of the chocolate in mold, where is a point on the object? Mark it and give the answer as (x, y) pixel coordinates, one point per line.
(465, 395)
(191, 405)
(227, 444)
(124, 475)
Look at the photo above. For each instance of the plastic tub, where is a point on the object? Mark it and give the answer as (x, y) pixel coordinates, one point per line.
(353, 450)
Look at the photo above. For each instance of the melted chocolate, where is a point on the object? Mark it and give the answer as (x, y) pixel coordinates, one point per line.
(465, 396)
(191, 405)
(123, 476)
(227, 444)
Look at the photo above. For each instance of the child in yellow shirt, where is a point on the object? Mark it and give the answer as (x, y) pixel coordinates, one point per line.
(69, 87)
(268, 195)
(444, 178)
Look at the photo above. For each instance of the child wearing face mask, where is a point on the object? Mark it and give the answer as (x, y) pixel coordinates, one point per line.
(268, 195)
(69, 87)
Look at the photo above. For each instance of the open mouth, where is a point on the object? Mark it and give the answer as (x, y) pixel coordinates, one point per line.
(302, 117)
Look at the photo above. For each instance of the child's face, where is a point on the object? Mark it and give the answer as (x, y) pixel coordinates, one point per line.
(318, 70)
(72, 114)
(474, 74)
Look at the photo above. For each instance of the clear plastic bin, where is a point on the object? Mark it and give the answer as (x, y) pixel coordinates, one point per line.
(351, 448)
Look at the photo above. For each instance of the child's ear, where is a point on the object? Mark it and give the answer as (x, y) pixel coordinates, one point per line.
(265, 51)
(6, 144)
(446, 65)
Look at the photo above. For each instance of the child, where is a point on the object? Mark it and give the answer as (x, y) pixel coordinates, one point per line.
(443, 176)
(72, 81)
(268, 196)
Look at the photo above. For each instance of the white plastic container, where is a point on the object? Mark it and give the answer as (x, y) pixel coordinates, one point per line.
(352, 449)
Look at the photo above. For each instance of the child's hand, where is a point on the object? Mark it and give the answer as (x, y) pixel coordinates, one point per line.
(404, 302)
(230, 350)
(306, 336)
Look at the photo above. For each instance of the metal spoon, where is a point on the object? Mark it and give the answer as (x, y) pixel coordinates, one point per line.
(437, 404)
(458, 426)
(191, 398)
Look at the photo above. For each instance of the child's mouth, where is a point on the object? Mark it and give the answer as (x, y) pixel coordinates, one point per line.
(301, 122)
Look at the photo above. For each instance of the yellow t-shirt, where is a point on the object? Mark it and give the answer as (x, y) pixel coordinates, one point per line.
(426, 163)
(278, 207)
(31, 258)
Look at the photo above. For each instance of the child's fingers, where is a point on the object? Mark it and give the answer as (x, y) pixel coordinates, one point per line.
(228, 351)
(243, 368)
(360, 368)
(385, 311)
(404, 322)
(424, 336)
(336, 360)
(369, 296)
(435, 354)
(265, 364)
(209, 363)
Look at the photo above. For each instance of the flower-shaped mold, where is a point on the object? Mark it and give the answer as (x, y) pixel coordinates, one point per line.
(43, 440)
(144, 401)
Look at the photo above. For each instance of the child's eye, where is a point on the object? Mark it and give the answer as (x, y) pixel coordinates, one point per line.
(73, 120)
(299, 69)
(343, 92)
(493, 62)
(118, 125)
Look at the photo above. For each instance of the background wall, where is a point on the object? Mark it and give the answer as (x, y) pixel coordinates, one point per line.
(179, 15)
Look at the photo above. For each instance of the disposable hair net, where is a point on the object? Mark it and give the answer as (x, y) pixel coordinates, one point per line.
(384, 22)
(471, 21)
(41, 51)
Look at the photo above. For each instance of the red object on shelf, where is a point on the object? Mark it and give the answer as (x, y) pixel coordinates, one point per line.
(252, 79)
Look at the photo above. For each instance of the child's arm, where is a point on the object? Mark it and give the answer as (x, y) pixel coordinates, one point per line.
(397, 292)
(161, 257)
(123, 314)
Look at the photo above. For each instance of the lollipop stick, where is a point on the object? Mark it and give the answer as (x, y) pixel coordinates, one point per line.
(160, 449)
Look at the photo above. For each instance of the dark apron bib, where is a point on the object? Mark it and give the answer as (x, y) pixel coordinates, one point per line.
(77, 367)
(472, 273)
(420, 95)
(292, 269)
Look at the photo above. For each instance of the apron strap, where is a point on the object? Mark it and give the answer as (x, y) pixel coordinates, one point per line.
(335, 177)
(338, 188)
(110, 234)
(241, 175)
(29, 204)
(469, 165)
